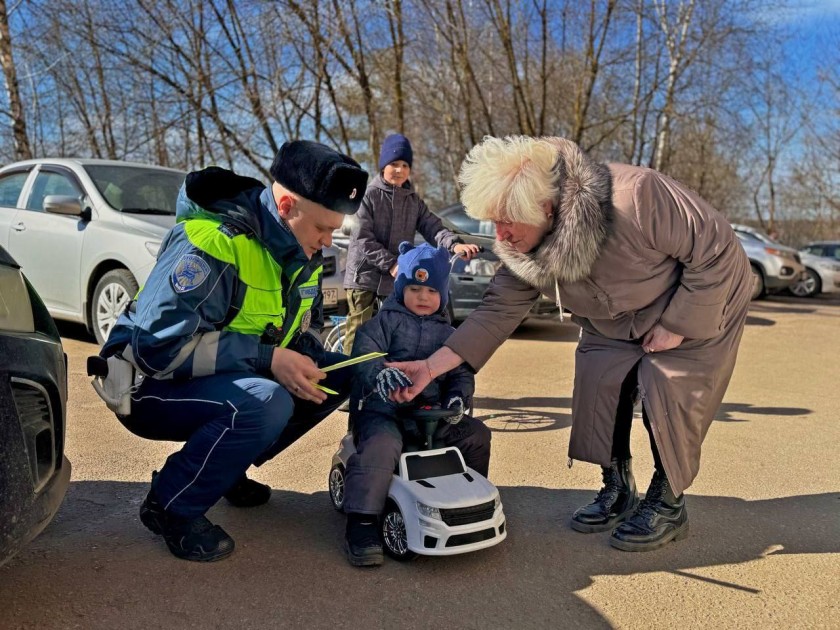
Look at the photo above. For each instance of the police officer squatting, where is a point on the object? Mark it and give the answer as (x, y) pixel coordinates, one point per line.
(222, 340)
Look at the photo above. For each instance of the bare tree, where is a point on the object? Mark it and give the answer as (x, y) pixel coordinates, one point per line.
(23, 151)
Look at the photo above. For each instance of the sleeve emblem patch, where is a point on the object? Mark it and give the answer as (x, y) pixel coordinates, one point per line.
(189, 273)
(306, 321)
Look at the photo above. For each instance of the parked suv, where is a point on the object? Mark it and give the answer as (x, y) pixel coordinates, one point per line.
(34, 473)
(775, 267)
(88, 233)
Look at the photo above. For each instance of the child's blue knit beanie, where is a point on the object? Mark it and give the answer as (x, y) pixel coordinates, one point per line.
(395, 147)
(424, 265)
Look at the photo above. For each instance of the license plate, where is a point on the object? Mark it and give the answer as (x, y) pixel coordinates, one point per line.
(330, 297)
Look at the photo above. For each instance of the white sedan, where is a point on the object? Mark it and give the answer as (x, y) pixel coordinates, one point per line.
(822, 275)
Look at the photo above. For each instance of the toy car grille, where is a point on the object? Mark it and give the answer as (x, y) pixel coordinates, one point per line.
(474, 537)
(467, 515)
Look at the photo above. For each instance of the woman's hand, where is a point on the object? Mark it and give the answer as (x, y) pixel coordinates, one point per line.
(389, 380)
(418, 372)
(297, 373)
(465, 250)
(394, 270)
(659, 339)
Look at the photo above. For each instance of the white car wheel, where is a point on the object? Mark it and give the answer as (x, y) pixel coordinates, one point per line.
(394, 536)
(336, 486)
(808, 286)
(758, 283)
(113, 292)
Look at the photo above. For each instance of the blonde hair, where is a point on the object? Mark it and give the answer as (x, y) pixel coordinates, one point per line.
(508, 179)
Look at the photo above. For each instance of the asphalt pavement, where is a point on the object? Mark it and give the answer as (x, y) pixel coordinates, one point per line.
(764, 549)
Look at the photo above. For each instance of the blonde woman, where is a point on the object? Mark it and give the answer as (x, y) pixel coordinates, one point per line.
(660, 286)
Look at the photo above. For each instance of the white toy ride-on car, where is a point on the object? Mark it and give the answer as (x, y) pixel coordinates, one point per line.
(436, 505)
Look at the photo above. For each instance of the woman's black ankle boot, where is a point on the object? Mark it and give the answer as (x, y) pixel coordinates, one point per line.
(660, 518)
(615, 501)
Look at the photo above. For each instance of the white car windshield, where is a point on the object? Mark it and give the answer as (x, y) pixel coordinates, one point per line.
(137, 189)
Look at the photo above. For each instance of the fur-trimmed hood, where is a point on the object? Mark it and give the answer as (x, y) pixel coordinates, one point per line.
(581, 223)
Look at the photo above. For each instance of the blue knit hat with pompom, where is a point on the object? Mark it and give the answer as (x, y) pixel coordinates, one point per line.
(424, 265)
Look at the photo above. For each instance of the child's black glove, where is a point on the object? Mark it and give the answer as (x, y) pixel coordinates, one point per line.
(389, 380)
(456, 402)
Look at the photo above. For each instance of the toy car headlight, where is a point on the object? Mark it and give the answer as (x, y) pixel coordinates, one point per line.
(496, 503)
(428, 511)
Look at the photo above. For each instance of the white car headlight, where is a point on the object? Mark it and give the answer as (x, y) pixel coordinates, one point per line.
(479, 267)
(153, 247)
(428, 511)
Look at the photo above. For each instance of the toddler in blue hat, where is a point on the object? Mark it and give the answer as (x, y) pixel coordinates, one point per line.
(411, 325)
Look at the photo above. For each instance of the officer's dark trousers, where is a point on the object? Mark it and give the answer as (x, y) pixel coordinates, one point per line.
(228, 421)
(378, 447)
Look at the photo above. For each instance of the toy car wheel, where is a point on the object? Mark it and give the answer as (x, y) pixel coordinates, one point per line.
(394, 536)
(336, 486)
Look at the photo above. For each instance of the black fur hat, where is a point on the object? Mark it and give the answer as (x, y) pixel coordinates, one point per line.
(320, 174)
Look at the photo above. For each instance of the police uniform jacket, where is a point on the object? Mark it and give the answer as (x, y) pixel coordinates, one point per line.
(231, 283)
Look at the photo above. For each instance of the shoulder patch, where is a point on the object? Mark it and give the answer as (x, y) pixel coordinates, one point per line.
(306, 321)
(189, 273)
(230, 230)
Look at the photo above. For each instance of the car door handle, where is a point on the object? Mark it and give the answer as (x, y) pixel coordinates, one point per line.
(19, 226)
(466, 278)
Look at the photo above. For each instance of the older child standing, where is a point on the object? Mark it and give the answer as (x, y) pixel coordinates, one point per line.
(391, 212)
(410, 325)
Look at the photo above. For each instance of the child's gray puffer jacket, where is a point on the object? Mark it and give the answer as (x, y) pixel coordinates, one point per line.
(387, 217)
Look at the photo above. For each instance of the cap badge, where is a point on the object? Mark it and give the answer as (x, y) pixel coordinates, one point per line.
(421, 275)
(353, 194)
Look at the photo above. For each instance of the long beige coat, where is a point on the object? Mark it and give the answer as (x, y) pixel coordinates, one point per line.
(629, 248)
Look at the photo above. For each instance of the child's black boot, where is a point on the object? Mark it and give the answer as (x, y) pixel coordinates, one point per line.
(361, 540)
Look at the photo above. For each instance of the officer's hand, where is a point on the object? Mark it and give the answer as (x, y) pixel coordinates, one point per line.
(297, 373)
(390, 379)
(456, 403)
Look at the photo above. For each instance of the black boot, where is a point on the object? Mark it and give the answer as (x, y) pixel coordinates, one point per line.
(660, 518)
(191, 539)
(614, 503)
(361, 540)
(248, 493)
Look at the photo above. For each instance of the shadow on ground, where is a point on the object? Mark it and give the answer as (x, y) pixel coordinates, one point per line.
(98, 567)
(516, 414)
(729, 412)
(519, 414)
